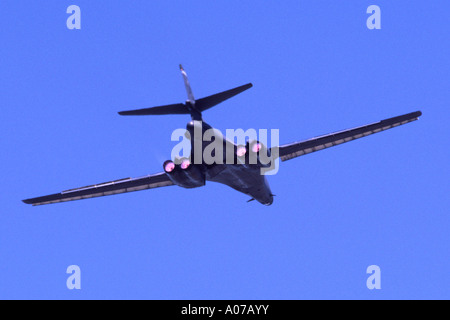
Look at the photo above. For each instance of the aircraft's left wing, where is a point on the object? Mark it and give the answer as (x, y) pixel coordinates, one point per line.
(300, 148)
(105, 189)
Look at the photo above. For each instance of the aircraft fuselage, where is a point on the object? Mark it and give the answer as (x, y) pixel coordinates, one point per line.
(244, 177)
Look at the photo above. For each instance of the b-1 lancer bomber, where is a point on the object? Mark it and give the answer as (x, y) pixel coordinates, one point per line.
(244, 174)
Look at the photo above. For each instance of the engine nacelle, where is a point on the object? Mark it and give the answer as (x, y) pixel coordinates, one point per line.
(254, 153)
(185, 174)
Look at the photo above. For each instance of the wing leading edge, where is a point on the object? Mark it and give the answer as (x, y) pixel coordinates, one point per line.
(104, 189)
(301, 148)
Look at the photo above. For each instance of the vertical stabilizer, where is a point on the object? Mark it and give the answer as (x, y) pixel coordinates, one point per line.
(187, 85)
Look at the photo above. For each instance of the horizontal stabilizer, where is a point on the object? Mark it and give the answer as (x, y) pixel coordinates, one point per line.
(210, 101)
(178, 108)
(198, 105)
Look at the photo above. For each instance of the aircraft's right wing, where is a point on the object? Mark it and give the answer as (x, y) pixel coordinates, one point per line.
(105, 189)
(300, 148)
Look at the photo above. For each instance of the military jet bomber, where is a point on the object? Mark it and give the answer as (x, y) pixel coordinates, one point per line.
(244, 174)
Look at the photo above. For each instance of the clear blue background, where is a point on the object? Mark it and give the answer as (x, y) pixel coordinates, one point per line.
(316, 68)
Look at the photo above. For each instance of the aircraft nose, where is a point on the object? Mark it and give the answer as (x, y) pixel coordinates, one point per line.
(268, 201)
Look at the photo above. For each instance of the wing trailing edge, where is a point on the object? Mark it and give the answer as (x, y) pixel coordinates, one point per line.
(301, 148)
(104, 189)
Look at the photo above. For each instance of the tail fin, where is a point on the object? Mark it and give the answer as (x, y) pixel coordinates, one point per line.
(192, 106)
(187, 85)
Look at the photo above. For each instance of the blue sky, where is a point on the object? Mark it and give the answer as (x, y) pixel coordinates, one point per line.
(316, 68)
